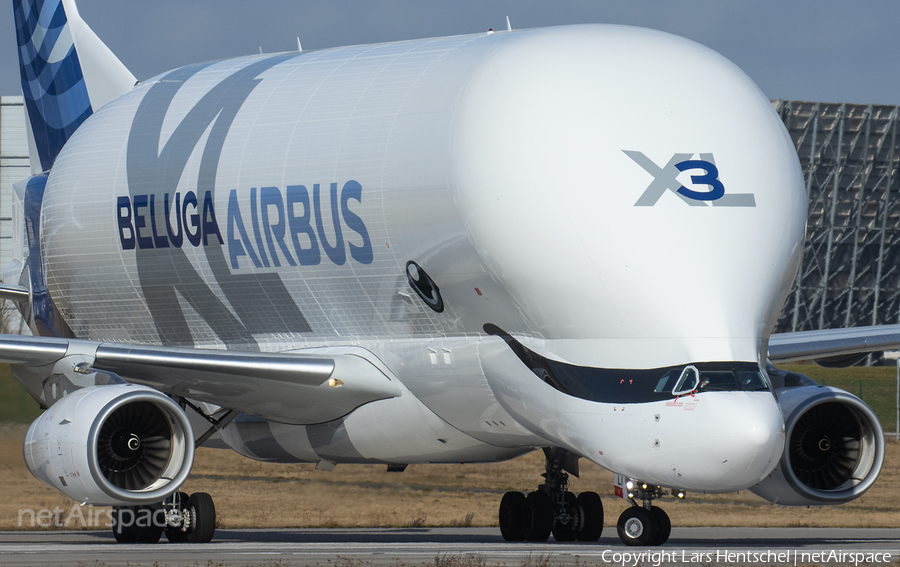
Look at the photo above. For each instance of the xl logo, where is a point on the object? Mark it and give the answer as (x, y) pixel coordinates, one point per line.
(707, 174)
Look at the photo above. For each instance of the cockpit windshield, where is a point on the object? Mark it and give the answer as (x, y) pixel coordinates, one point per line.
(612, 385)
(636, 386)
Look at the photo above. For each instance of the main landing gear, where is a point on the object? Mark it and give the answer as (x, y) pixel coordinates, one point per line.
(552, 508)
(183, 518)
(644, 524)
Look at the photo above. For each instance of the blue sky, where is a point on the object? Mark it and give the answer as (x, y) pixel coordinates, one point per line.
(820, 50)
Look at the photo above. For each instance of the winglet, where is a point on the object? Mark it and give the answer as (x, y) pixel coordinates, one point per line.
(509, 28)
(67, 72)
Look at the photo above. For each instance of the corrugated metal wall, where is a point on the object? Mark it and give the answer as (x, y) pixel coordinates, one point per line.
(849, 271)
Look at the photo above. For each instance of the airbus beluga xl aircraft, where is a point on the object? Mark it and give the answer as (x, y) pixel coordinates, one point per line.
(456, 249)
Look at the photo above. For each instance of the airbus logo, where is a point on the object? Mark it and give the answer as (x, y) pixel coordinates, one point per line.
(151, 221)
(704, 173)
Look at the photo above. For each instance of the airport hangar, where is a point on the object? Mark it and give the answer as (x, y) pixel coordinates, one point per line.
(850, 267)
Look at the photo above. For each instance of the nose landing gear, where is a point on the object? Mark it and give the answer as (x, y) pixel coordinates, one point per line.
(643, 524)
(552, 508)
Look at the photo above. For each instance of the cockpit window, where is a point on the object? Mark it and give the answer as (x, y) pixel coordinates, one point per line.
(731, 377)
(721, 380)
(752, 381)
(668, 381)
(613, 385)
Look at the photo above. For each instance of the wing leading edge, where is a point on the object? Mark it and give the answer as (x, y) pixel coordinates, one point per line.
(833, 343)
(285, 387)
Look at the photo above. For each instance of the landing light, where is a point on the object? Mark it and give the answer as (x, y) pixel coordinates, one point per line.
(629, 485)
(335, 382)
(680, 494)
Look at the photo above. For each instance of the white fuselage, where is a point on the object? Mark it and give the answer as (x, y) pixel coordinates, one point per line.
(532, 175)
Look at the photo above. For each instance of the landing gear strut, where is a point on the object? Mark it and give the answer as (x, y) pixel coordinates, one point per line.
(552, 508)
(643, 524)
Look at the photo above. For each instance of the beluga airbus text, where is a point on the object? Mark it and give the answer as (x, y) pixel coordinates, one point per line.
(440, 250)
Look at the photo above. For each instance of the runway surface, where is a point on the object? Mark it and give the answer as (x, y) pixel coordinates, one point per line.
(417, 546)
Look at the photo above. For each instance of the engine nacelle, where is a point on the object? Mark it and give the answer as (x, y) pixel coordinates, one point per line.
(833, 451)
(112, 445)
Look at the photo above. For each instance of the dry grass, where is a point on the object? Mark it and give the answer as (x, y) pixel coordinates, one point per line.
(250, 494)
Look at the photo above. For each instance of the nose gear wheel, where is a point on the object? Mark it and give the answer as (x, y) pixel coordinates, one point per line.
(644, 524)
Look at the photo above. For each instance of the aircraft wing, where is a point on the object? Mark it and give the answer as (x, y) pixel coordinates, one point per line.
(835, 344)
(285, 387)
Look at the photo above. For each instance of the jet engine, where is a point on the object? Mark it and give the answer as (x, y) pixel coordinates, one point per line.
(120, 444)
(833, 451)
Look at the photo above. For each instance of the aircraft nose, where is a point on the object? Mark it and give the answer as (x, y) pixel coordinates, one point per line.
(761, 432)
(750, 437)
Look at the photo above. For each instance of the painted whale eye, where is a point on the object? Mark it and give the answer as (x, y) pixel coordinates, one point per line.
(424, 286)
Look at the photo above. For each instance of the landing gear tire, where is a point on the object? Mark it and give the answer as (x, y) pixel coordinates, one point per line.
(148, 534)
(512, 509)
(148, 529)
(175, 535)
(137, 524)
(664, 525)
(123, 527)
(537, 519)
(203, 518)
(592, 508)
(568, 531)
(637, 526)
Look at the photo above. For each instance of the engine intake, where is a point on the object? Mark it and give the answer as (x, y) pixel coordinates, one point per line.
(834, 449)
(112, 445)
(134, 445)
(825, 446)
